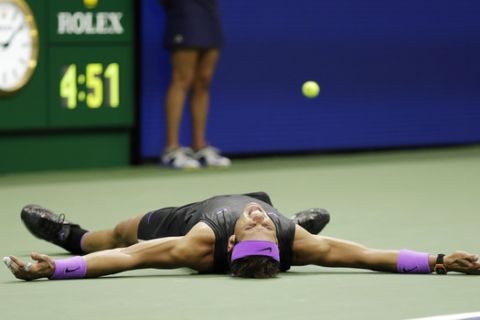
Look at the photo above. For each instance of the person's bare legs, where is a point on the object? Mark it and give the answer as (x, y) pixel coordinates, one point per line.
(201, 95)
(122, 235)
(184, 63)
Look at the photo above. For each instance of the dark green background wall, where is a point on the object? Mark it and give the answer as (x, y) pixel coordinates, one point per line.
(37, 130)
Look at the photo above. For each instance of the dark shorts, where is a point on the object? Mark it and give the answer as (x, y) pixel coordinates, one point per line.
(199, 32)
(193, 24)
(165, 222)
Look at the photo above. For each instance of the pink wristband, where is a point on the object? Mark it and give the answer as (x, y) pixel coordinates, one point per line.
(71, 268)
(413, 262)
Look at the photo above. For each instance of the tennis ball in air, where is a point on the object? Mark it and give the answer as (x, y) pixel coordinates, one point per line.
(90, 4)
(310, 89)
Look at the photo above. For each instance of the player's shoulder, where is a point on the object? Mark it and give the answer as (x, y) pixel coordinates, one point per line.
(196, 249)
(201, 231)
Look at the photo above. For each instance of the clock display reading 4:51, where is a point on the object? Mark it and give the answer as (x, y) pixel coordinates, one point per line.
(96, 85)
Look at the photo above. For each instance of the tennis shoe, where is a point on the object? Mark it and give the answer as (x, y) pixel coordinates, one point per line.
(210, 157)
(46, 225)
(313, 220)
(179, 158)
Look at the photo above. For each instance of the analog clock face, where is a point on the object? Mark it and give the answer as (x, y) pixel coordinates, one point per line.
(18, 45)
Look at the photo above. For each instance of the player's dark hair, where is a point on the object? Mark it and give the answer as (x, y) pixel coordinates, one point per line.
(259, 267)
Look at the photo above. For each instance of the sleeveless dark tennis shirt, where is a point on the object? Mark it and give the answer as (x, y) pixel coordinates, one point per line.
(220, 213)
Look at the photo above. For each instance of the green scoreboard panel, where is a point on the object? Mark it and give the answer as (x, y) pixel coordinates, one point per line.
(90, 87)
(81, 91)
(90, 64)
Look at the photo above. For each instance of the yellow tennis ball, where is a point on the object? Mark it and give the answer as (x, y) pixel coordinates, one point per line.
(310, 89)
(90, 4)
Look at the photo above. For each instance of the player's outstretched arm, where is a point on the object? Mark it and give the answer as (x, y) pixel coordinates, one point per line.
(195, 250)
(331, 252)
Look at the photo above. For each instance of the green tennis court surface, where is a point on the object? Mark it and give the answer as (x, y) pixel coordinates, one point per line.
(427, 200)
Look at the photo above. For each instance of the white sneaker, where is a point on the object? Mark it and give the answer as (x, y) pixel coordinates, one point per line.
(179, 158)
(210, 156)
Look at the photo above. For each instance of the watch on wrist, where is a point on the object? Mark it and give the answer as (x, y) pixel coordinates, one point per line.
(439, 265)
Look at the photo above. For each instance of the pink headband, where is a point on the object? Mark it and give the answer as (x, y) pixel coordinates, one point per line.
(255, 248)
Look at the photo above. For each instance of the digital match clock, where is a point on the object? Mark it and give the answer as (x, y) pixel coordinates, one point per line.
(91, 65)
(91, 85)
(100, 84)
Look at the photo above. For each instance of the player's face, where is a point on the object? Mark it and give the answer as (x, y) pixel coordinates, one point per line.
(255, 224)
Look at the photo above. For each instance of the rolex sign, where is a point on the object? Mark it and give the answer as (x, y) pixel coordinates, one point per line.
(99, 21)
(90, 23)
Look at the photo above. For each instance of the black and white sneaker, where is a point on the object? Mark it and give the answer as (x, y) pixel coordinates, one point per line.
(46, 225)
(210, 157)
(313, 220)
(179, 158)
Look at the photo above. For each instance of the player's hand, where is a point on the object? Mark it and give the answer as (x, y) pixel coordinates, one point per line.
(461, 261)
(43, 267)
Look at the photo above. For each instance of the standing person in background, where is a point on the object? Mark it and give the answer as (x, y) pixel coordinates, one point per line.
(194, 37)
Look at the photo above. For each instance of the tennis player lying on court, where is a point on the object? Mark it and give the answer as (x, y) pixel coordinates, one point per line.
(242, 235)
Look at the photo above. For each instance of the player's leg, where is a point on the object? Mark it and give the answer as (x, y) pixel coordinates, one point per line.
(164, 222)
(200, 102)
(124, 234)
(47, 225)
(184, 63)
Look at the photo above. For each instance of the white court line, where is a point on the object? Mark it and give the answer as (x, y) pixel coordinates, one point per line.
(458, 316)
